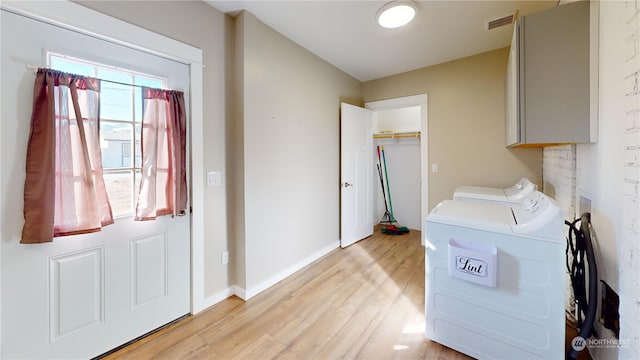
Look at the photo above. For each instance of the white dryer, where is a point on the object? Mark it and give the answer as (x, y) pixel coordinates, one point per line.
(511, 195)
(495, 278)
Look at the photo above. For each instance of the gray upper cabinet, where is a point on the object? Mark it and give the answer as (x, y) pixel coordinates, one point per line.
(551, 86)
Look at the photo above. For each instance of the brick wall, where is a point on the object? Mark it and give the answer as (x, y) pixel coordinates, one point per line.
(629, 247)
(559, 182)
(559, 176)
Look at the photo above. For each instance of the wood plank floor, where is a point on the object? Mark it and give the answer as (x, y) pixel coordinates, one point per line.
(362, 302)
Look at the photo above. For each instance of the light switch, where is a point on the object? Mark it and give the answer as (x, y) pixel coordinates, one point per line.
(214, 178)
(434, 168)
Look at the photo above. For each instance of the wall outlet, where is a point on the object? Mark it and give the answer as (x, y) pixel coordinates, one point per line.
(225, 258)
(214, 178)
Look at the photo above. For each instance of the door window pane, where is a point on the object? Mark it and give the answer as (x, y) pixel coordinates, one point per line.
(115, 140)
(126, 154)
(71, 67)
(120, 125)
(120, 190)
(116, 102)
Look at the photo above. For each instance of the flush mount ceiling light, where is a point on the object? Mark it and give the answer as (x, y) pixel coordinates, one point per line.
(396, 14)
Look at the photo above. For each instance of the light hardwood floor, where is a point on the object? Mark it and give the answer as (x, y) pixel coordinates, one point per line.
(362, 302)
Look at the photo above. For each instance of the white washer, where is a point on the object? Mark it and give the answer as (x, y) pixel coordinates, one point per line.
(512, 195)
(522, 314)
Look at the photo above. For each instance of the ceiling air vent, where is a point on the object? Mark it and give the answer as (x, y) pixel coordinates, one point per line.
(502, 21)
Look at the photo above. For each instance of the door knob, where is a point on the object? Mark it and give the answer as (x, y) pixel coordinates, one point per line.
(346, 184)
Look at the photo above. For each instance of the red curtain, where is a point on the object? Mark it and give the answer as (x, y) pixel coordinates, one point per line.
(64, 192)
(163, 186)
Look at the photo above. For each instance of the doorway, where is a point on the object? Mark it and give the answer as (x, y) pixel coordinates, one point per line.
(401, 124)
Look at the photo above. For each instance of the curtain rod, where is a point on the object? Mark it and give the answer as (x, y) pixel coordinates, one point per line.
(35, 69)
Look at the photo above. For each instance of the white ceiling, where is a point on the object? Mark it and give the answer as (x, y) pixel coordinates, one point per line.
(345, 33)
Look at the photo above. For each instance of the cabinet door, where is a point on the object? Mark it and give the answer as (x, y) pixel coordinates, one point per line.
(512, 119)
(556, 75)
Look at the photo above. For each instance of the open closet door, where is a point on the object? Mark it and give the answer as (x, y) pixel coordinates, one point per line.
(356, 174)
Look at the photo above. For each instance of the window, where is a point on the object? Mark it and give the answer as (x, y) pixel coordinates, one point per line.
(125, 158)
(120, 119)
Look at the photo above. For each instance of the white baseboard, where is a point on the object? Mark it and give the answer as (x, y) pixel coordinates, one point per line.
(240, 292)
(245, 294)
(214, 299)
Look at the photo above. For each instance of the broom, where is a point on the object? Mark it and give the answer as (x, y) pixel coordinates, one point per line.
(389, 221)
(386, 218)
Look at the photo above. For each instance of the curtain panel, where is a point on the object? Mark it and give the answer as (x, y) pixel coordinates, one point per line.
(163, 185)
(64, 192)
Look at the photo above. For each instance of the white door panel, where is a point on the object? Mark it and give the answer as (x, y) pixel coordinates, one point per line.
(356, 174)
(81, 295)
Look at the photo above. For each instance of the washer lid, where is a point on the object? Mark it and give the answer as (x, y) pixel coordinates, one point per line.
(538, 216)
(476, 215)
(480, 193)
(514, 194)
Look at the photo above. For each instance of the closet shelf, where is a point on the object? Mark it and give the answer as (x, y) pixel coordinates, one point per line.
(396, 135)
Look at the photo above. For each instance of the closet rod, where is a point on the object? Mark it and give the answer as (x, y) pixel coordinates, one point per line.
(396, 135)
(35, 69)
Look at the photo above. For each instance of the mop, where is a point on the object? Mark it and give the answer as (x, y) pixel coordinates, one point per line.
(389, 224)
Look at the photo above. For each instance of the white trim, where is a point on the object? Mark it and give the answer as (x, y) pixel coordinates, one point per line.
(414, 100)
(421, 100)
(198, 301)
(255, 290)
(240, 292)
(1, 239)
(222, 295)
(75, 17)
(86, 21)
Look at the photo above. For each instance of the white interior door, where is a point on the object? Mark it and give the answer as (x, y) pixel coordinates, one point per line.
(356, 174)
(82, 295)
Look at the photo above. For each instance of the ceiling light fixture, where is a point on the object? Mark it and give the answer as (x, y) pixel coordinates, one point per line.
(396, 14)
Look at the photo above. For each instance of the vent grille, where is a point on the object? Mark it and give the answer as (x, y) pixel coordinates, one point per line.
(502, 21)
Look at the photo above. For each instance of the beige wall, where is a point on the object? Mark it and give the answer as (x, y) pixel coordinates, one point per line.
(289, 116)
(280, 106)
(200, 25)
(466, 123)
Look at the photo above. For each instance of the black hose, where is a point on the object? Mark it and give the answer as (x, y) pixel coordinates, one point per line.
(590, 313)
(576, 251)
